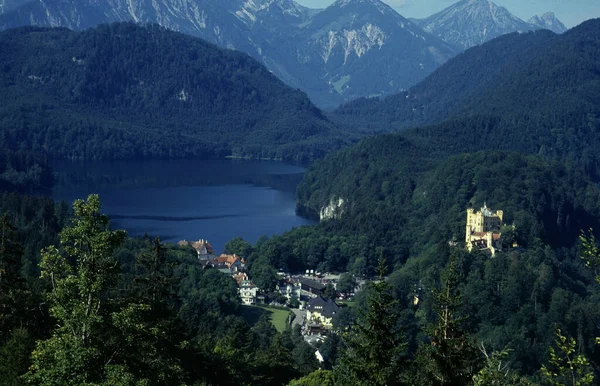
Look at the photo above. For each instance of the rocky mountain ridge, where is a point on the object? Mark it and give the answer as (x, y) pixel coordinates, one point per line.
(351, 49)
(468, 23)
(333, 55)
(548, 21)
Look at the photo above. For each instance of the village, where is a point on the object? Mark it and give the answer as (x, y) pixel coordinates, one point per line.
(311, 300)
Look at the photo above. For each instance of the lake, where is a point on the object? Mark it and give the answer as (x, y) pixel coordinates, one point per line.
(215, 200)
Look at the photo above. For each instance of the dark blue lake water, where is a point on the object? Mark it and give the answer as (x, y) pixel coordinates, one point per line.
(215, 200)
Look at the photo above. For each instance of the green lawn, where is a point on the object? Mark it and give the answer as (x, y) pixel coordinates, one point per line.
(349, 303)
(278, 316)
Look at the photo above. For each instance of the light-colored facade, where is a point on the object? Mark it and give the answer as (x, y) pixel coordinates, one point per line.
(321, 312)
(290, 290)
(248, 292)
(483, 229)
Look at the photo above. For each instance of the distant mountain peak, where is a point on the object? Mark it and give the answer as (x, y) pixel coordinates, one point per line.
(548, 21)
(472, 22)
(249, 9)
(381, 7)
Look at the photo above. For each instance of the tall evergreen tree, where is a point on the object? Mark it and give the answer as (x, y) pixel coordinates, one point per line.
(451, 358)
(375, 346)
(12, 284)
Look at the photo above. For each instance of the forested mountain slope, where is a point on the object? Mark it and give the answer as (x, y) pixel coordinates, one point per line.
(326, 54)
(123, 91)
(537, 93)
(407, 203)
(458, 81)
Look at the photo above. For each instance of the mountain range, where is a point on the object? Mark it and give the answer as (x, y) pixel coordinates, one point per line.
(468, 23)
(535, 93)
(351, 49)
(548, 21)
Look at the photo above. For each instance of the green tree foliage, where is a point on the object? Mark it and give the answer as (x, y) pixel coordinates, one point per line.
(329, 292)
(81, 274)
(316, 378)
(12, 284)
(497, 371)
(239, 247)
(566, 367)
(146, 326)
(15, 356)
(451, 358)
(375, 348)
(590, 253)
(155, 93)
(346, 283)
(263, 274)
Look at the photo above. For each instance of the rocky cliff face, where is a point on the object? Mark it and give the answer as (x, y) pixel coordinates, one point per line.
(353, 48)
(9, 5)
(472, 22)
(365, 48)
(548, 21)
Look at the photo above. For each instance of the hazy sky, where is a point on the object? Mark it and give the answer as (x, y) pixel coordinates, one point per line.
(570, 12)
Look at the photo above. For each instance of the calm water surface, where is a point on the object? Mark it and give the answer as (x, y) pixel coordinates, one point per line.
(215, 200)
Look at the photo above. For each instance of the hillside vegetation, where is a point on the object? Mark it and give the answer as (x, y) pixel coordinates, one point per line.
(122, 91)
(535, 93)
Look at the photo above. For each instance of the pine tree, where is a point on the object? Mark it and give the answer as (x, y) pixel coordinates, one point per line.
(375, 346)
(146, 327)
(451, 358)
(12, 284)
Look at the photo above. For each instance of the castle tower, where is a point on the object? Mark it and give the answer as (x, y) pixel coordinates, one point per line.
(483, 229)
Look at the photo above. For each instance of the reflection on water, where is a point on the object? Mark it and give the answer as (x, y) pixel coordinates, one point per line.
(180, 199)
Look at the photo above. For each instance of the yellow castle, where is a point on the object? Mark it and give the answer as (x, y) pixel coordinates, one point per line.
(483, 229)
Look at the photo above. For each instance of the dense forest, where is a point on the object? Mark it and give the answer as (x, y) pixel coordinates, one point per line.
(82, 303)
(409, 209)
(101, 308)
(106, 309)
(124, 91)
(534, 93)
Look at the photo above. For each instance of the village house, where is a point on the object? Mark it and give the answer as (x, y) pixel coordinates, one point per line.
(203, 248)
(320, 312)
(233, 263)
(239, 277)
(290, 288)
(483, 230)
(310, 287)
(248, 292)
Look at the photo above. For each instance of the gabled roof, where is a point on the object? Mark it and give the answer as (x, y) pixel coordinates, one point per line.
(325, 307)
(227, 259)
(312, 284)
(197, 245)
(247, 284)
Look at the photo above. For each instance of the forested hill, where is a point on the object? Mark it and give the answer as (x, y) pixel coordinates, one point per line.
(517, 75)
(536, 93)
(407, 203)
(123, 91)
(456, 82)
